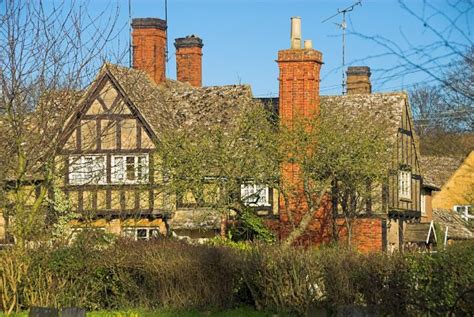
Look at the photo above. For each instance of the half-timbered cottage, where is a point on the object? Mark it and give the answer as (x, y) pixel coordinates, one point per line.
(111, 174)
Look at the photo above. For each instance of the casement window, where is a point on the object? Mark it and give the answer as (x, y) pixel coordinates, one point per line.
(404, 184)
(87, 169)
(129, 169)
(465, 211)
(255, 195)
(146, 233)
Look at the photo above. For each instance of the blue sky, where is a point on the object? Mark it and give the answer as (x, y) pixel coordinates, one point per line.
(242, 37)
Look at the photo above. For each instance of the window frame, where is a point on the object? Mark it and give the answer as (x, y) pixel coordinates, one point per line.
(423, 204)
(255, 188)
(125, 232)
(84, 170)
(404, 185)
(141, 169)
(466, 212)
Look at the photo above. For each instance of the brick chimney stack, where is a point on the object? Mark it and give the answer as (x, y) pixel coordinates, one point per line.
(299, 97)
(149, 47)
(189, 60)
(358, 80)
(299, 77)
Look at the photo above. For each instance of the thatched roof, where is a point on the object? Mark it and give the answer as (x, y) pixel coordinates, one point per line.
(457, 227)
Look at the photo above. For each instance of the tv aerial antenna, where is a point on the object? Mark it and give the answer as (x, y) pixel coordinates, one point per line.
(130, 33)
(343, 26)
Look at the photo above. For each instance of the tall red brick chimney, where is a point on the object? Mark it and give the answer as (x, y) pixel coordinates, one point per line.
(299, 97)
(149, 47)
(299, 77)
(189, 60)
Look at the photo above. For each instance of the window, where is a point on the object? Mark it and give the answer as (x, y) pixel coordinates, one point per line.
(130, 169)
(87, 169)
(148, 233)
(404, 184)
(255, 195)
(423, 204)
(465, 211)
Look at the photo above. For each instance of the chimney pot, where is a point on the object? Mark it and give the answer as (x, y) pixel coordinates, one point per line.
(295, 33)
(302, 66)
(308, 44)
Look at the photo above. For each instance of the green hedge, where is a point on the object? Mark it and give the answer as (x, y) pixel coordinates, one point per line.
(176, 276)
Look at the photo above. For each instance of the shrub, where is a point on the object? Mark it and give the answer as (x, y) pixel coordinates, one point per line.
(282, 279)
(443, 282)
(176, 275)
(172, 275)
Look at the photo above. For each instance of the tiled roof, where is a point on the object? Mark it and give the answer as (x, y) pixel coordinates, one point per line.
(438, 169)
(383, 108)
(418, 232)
(457, 227)
(42, 128)
(379, 107)
(177, 105)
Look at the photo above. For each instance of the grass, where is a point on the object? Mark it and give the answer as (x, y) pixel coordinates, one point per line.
(236, 312)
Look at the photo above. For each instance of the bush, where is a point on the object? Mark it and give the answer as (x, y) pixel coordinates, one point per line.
(172, 275)
(176, 275)
(443, 283)
(282, 279)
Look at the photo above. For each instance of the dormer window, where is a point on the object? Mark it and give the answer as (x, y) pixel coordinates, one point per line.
(404, 185)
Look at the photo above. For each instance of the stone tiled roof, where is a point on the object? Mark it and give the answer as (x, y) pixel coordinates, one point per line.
(383, 108)
(378, 107)
(457, 227)
(438, 169)
(418, 232)
(177, 105)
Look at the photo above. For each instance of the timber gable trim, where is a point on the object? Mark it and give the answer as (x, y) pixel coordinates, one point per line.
(134, 109)
(93, 93)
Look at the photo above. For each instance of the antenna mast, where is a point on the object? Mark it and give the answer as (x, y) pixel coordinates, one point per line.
(130, 33)
(166, 19)
(343, 26)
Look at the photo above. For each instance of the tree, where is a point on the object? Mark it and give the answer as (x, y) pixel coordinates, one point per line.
(443, 113)
(341, 159)
(208, 161)
(47, 54)
(303, 162)
(447, 23)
